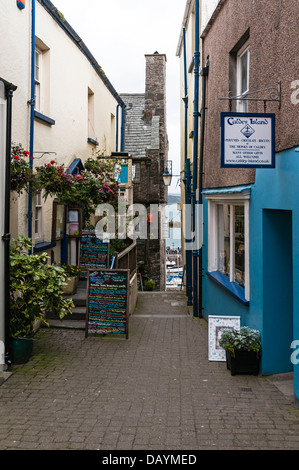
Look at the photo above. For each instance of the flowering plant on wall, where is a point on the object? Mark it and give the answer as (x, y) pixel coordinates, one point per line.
(94, 186)
(20, 172)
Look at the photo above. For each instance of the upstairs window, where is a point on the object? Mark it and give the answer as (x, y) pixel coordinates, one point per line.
(37, 79)
(243, 63)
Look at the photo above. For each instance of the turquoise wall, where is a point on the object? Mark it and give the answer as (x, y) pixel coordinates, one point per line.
(274, 266)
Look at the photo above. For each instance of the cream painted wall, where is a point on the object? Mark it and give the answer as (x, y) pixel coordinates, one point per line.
(2, 200)
(15, 27)
(66, 77)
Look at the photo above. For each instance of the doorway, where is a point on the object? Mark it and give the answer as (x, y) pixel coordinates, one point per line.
(277, 291)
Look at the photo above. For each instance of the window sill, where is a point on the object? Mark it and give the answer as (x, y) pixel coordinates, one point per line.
(42, 246)
(92, 141)
(234, 289)
(45, 119)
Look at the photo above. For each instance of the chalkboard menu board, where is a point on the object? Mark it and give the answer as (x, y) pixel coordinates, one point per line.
(94, 253)
(107, 302)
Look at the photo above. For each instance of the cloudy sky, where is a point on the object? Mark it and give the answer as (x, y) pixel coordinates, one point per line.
(119, 33)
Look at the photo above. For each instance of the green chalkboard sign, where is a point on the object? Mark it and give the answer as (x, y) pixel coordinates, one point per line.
(94, 253)
(107, 302)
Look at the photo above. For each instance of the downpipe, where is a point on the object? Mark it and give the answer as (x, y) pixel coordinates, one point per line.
(187, 180)
(32, 106)
(196, 116)
(204, 73)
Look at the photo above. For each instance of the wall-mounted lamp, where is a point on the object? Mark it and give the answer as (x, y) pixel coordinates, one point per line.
(167, 175)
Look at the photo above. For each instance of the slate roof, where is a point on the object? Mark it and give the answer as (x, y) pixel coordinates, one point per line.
(138, 135)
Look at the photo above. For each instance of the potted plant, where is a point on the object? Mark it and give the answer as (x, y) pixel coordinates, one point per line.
(243, 350)
(35, 288)
(71, 284)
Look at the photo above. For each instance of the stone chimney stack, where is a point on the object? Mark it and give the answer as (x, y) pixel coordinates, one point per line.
(155, 92)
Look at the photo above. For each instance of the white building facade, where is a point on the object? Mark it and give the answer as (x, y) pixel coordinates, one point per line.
(64, 109)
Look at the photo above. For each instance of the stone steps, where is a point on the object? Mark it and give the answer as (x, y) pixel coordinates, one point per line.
(78, 317)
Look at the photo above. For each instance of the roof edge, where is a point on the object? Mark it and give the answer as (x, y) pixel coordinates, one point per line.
(212, 18)
(60, 20)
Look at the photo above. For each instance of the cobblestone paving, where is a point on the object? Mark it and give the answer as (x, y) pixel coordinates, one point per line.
(155, 391)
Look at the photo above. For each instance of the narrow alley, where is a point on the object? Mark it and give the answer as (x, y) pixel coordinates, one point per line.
(156, 390)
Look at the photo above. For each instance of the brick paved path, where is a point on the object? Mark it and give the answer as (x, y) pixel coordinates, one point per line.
(156, 390)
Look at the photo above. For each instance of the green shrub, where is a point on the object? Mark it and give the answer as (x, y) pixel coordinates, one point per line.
(35, 289)
(149, 285)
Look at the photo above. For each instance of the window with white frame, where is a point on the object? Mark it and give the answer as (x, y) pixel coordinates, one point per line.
(229, 238)
(243, 64)
(38, 217)
(37, 79)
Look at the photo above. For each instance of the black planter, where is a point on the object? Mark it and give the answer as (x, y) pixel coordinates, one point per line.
(21, 350)
(244, 362)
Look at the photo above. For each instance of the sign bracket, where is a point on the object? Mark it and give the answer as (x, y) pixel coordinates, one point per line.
(271, 94)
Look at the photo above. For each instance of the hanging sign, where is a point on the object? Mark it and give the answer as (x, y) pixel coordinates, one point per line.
(247, 140)
(107, 302)
(122, 172)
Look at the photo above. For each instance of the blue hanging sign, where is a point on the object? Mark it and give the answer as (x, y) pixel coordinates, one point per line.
(123, 171)
(247, 140)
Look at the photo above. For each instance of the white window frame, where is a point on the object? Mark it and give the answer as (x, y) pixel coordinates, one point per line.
(213, 230)
(38, 221)
(37, 80)
(242, 105)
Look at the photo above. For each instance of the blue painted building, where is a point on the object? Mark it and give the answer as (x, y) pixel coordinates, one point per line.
(272, 305)
(248, 265)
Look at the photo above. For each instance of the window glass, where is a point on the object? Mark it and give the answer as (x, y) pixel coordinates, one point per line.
(37, 80)
(243, 78)
(239, 248)
(244, 73)
(224, 239)
(38, 216)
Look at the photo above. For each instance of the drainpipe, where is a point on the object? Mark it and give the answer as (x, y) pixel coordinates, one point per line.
(32, 106)
(188, 254)
(117, 124)
(204, 73)
(9, 89)
(196, 115)
(123, 128)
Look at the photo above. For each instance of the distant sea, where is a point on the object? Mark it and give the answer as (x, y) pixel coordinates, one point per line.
(174, 241)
